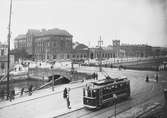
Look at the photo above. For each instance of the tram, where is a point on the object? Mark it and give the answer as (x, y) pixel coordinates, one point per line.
(100, 92)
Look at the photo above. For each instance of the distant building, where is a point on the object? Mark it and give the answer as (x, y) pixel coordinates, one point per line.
(116, 48)
(111, 51)
(137, 50)
(80, 51)
(104, 52)
(4, 59)
(46, 44)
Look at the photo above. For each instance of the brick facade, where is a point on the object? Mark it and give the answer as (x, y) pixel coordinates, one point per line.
(46, 44)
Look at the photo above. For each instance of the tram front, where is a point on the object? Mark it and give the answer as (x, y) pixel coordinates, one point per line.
(91, 96)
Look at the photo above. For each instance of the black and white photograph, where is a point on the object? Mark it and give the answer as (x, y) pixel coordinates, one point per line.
(83, 58)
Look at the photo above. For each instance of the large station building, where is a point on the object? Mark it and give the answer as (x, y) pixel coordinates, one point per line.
(58, 44)
(45, 44)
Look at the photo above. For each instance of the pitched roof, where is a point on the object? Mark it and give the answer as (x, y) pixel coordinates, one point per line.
(56, 31)
(34, 32)
(45, 32)
(21, 36)
(79, 46)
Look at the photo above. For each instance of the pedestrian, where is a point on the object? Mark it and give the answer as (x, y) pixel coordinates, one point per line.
(30, 89)
(13, 94)
(96, 76)
(147, 78)
(156, 77)
(10, 95)
(93, 75)
(22, 91)
(68, 102)
(68, 99)
(65, 93)
(19, 68)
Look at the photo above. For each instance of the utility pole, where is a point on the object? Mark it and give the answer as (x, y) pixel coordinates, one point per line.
(115, 102)
(72, 70)
(9, 36)
(89, 52)
(53, 81)
(100, 43)
(46, 53)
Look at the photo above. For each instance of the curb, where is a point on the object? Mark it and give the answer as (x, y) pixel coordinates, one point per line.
(68, 112)
(61, 112)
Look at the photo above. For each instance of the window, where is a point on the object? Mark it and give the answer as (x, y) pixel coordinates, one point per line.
(2, 65)
(54, 57)
(62, 44)
(54, 44)
(68, 56)
(2, 52)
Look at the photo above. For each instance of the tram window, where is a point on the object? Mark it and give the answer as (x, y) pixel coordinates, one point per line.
(94, 93)
(104, 90)
(108, 89)
(86, 92)
(112, 87)
(89, 93)
(127, 84)
(124, 85)
(118, 86)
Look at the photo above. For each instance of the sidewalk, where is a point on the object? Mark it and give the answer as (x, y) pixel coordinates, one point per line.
(60, 112)
(42, 93)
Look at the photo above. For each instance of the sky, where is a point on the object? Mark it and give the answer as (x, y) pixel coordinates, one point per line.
(130, 21)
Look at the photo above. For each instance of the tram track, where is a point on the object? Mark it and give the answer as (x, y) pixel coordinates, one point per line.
(121, 104)
(135, 100)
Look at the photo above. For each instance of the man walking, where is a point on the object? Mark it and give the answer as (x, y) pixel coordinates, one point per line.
(22, 91)
(66, 96)
(12, 94)
(65, 93)
(30, 89)
(147, 78)
(156, 77)
(68, 101)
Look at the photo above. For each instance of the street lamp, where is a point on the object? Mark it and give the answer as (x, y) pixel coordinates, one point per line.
(115, 102)
(52, 78)
(100, 43)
